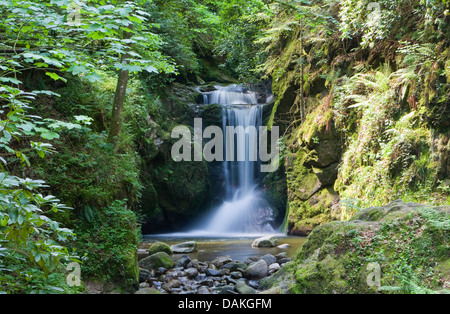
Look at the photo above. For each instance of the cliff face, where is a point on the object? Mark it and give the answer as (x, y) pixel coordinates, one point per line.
(365, 124)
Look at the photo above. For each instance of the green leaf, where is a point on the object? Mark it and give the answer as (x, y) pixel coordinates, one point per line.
(77, 69)
(56, 77)
(94, 77)
(50, 135)
(151, 69)
(10, 80)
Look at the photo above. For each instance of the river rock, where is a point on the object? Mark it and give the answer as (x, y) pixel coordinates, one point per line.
(145, 275)
(221, 260)
(228, 289)
(159, 247)
(171, 285)
(186, 247)
(148, 291)
(183, 261)
(236, 275)
(191, 272)
(242, 288)
(284, 246)
(208, 282)
(203, 290)
(212, 272)
(284, 260)
(269, 258)
(267, 241)
(256, 270)
(253, 283)
(157, 260)
(273, 268)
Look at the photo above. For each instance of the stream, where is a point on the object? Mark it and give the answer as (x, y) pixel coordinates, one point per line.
(238, 248)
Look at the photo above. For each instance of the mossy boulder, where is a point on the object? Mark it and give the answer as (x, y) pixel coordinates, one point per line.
(159, 247)
(154, 261)
(408, 242)
(318, 210)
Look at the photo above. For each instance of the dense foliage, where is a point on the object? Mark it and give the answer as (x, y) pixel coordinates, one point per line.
(90, 90)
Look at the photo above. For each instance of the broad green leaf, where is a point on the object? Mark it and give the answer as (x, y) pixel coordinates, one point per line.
(56, 76)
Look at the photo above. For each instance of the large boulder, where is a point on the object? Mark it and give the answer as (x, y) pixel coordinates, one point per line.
(185, 247)
(154, 261)
(387, 248)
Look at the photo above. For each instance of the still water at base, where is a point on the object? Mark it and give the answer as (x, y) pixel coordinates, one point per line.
(238, 248)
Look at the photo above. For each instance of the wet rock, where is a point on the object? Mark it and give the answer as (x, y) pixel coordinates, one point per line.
(230, 280)
(143, 285)
(148, 291)
(221, 260)
(236, 274)
(185, 247)
(238, 266)
(171, 285)
(183, 261)
(273, 268)
(208, 282)
(284, 246)
(267, 241)
(242, 288)
(254, 284)
(281, 255)
(269, 259)
(191, 272)
(284, 260)
(202, 267)
(171, 275)
(145, 275)
(193, 263)
(212, 272)
(156, 261)
(229, 289)
(203, 290)
(252, 259)
(256, 270)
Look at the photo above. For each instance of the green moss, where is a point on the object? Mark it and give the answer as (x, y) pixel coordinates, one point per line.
(109, 246)
(183, 187)
(154, 261)
(410, 243)
(159, 247)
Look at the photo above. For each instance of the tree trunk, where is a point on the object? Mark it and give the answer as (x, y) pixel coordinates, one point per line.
(119, 99)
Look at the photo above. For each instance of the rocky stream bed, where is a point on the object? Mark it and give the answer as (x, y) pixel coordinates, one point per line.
(169, 270)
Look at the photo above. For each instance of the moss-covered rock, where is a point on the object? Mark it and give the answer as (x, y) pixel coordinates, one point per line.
(159, 247)
(109, 243)
(160, 259)
(409, 243)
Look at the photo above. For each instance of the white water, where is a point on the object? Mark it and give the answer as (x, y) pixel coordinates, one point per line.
(244, 211)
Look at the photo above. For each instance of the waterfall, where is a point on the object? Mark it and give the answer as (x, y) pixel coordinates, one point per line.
(244, 209)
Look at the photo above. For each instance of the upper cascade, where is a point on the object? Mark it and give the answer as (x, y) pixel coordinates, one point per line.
(230, 95)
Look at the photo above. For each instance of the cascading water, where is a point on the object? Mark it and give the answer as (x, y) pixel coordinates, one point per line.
(244, 209)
